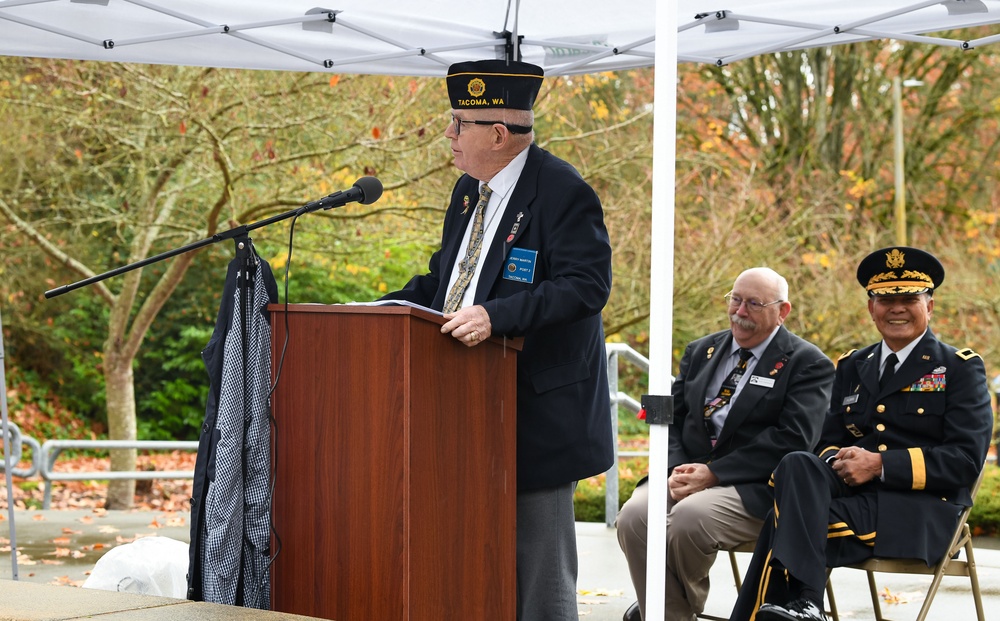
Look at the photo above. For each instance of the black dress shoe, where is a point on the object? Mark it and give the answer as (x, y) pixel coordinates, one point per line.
(632, 614)
(795, 610)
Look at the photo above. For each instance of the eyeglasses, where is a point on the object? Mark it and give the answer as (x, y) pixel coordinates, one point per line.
(753, 306)
(514, 129)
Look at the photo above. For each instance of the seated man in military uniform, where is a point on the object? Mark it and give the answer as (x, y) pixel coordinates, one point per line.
(905, 438)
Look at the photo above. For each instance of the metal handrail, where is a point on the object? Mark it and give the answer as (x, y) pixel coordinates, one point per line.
(51, 449)
(619, 352)
(16, 440)
(44, 457)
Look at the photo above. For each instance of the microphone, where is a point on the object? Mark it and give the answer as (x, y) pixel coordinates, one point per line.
(365, 190)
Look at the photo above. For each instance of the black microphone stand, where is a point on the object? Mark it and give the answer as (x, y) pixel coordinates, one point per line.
(238, 233)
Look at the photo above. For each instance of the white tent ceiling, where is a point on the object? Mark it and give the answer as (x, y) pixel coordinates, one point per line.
(422, 37)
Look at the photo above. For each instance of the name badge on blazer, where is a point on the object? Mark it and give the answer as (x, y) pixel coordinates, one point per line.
(520, 265)
(766, 382)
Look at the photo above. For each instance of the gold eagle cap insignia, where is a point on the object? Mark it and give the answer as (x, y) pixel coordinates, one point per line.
(895, 259)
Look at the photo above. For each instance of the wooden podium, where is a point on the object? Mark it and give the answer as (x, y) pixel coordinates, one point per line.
(396, 473)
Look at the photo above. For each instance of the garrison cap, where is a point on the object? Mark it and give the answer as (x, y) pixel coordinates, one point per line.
(493, 84)
(898, 270)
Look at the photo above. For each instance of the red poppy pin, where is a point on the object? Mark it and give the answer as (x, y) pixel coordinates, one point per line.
(778, 366)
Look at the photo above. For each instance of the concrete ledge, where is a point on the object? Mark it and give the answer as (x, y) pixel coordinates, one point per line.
(27, 601)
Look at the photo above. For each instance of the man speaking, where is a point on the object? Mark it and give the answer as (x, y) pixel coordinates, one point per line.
(525, 252)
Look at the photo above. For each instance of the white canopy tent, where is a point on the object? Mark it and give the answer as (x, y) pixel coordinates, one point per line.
(423, 37)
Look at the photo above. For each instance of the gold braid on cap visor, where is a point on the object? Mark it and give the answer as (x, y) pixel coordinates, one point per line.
(910, 282)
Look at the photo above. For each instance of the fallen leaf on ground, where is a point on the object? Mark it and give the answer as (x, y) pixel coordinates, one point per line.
(66, 581)
(894, 598)
(24, 559)
(601, 592)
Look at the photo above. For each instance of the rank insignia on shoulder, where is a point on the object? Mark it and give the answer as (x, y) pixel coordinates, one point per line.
(967, 354)
(846, 354)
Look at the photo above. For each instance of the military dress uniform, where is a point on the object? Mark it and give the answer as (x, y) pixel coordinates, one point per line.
(931, 423)
(932, 426)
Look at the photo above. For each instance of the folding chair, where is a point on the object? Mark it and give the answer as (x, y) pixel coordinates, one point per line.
(950, 565)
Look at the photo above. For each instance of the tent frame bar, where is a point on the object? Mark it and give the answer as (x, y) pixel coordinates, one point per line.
(819, 31)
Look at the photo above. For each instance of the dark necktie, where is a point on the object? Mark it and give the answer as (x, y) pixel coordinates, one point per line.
(888, 371)
(726, 392)
(467, 267)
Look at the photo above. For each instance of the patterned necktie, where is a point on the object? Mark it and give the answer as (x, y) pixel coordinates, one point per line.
(889, 370)
(726, 392)
(467, 267)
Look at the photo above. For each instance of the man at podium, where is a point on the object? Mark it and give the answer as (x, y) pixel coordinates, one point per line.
(525, 253)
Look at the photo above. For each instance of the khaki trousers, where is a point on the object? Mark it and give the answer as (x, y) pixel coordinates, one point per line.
(697, 528)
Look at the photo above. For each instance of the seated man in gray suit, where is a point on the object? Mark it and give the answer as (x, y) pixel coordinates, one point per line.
(743, 399)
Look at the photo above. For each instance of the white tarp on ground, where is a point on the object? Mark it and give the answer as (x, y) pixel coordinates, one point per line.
(422, 37)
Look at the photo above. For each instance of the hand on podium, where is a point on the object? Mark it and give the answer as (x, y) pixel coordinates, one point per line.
(470, 325)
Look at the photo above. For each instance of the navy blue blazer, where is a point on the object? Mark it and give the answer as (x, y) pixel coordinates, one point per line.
(764, 424)
(564, 428)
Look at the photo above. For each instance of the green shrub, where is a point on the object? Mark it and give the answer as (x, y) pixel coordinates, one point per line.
(588, 500)
(985, 517)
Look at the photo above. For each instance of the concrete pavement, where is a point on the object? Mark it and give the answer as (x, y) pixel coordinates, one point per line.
(606, 590)
(59, 548)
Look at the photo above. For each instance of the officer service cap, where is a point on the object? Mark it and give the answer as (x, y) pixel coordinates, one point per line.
(493, 84)
(899, 270)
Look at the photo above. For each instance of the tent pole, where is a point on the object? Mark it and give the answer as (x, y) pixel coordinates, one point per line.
(516, 52)
(7, 465)
(661, 292)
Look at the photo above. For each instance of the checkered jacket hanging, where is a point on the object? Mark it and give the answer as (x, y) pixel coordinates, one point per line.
(231, 538)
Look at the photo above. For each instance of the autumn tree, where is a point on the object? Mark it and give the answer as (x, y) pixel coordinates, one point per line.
(107, 164)
(787, 160)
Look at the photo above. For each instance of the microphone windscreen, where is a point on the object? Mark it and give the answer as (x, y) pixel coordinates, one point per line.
(371, 188)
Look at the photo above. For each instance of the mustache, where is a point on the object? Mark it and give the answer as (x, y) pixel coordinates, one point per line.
(742, 322)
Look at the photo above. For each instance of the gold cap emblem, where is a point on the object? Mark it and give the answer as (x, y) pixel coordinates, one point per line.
(477, 87)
